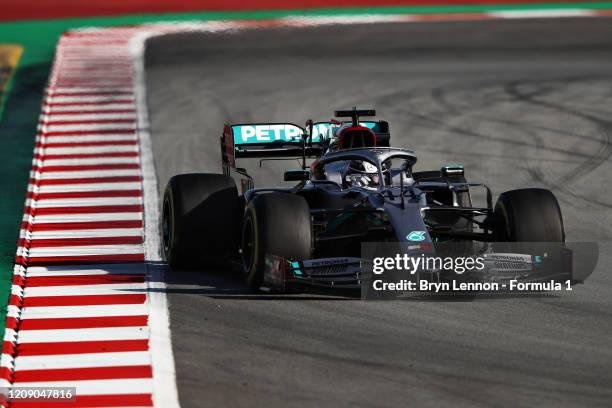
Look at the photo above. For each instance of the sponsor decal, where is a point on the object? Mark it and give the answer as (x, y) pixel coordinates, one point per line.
(508, 257)
(416, 236)
(245, 134)
(268, 133)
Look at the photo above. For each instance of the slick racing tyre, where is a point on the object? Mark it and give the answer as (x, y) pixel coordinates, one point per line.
(274, 224)
(201, 216)
(529, 215)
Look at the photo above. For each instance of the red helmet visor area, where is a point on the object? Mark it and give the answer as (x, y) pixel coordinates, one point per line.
(356, 137)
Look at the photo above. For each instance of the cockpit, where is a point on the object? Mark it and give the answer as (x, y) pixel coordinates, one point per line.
(366, 169)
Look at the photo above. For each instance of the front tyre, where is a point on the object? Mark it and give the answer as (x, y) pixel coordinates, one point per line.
(201, 216)
(274, 224)
(529, 215)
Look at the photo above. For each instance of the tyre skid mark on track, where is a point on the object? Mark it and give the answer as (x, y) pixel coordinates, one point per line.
(533, 93)
(591, 162)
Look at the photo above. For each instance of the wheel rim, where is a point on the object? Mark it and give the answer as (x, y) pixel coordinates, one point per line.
(166, 225)
(248, 244)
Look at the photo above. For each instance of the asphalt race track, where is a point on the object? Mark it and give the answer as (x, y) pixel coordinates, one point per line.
(520, 103)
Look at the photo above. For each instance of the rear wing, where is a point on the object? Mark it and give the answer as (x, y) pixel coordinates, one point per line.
(285, 139)
(267, 140)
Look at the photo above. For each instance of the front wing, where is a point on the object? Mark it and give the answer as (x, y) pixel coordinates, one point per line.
(282, 274)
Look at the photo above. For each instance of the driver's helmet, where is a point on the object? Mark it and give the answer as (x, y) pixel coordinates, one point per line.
(362, 174)
(351, 137)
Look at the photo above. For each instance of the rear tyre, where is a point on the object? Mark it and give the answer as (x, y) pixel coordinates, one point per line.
(274, 224)
(201, 215)
(529, 215)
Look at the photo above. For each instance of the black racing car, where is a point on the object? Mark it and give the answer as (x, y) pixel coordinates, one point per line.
(357, 189)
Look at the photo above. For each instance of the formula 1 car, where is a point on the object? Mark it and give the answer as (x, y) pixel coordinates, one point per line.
(357, 189)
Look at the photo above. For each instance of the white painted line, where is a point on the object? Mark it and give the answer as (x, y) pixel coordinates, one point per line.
(83, 250)
(81, 174)
(91, 136)
(165, 393)
(103, 34)
(89, 127)
(70, 270)
(98, 387)
(97, 63)
(61, 218)
(92, 272)
(82, 51)
(106, 71)
(67, 90)
(87, 187)
(89, 117)
(85, 202)
(89, 334)
(89, 33)
(118, 77)
(129, 358)
(95, 79)
(66, 312)
(93, 107)
(82, 47)
(77, 290)
(6, 360)
(70, 60)
(87, 233)
(90, 161)
(112, 45)
(74, 68)
(86, 150)
(511, 14)
(346, 19)
(10, 335)
(100, 82)
(16, 289)
(81, 99)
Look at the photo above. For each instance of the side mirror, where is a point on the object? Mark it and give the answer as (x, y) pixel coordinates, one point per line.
(297, 175)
